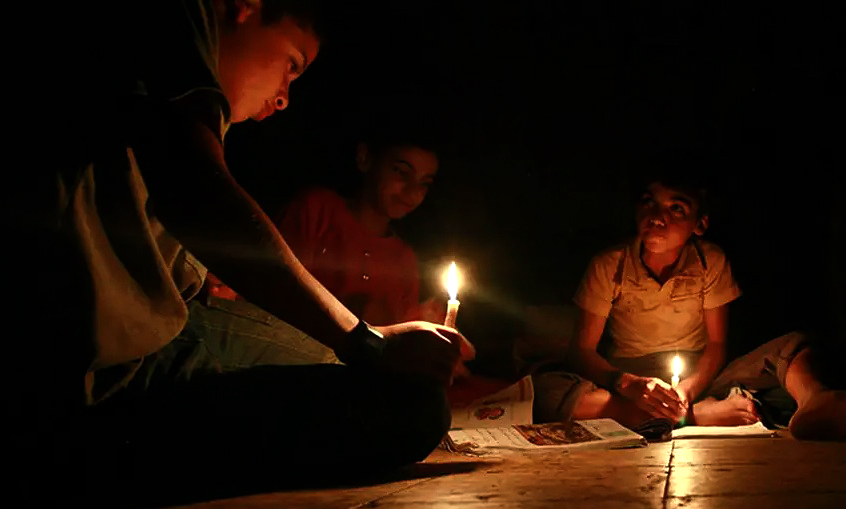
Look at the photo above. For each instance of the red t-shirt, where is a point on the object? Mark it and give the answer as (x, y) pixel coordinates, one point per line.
(375, 277)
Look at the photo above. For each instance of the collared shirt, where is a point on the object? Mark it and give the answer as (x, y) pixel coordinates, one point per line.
(645, 316)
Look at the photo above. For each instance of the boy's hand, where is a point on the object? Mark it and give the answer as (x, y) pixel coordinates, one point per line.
(425, 348)
(652, 395)
(684, 392)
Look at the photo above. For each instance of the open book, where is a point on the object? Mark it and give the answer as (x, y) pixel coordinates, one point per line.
(511, 405)
(588, 434)
(503, 420)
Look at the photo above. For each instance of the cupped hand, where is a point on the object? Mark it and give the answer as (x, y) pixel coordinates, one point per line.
(425, 348)
(654, 396)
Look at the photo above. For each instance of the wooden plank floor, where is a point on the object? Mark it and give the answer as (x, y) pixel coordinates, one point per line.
(770, 473)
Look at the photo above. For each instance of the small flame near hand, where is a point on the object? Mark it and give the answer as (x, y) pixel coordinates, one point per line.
(677, 369)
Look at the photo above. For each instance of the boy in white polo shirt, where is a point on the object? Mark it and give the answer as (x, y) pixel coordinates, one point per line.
(666, 293)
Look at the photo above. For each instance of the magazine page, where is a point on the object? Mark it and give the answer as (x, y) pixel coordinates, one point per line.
(594, 433)
(509, 406)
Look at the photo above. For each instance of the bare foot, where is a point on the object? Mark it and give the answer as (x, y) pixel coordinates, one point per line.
(822, 417)
(735, 410)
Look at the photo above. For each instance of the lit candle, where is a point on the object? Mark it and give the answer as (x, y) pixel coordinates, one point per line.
(451, 281)
(677, 368)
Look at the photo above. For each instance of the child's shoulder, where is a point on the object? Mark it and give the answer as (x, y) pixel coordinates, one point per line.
(611, 255)
(319, 195)
(318, 199)
(712, 254)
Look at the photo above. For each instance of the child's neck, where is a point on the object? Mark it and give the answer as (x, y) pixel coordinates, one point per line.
(661, 265)
(373, 221)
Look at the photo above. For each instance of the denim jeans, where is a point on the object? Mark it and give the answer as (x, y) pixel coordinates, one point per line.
(224, 335)
(236, 404)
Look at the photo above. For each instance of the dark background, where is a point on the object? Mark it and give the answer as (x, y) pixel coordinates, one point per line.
(547, 108)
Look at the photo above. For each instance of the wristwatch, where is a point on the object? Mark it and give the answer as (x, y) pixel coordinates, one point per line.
(363, 346)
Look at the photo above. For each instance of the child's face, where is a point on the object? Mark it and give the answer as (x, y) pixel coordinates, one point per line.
(666, 219)
(258, 62)
(398, 179)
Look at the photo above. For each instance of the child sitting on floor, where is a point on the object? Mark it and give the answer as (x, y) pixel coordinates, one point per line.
(349, 243)
(664, 294)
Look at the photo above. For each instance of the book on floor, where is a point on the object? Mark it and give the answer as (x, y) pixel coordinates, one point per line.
(587, 434)
(505, 407)
(503, 420)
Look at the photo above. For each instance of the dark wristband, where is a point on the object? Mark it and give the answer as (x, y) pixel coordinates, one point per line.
(363, 346)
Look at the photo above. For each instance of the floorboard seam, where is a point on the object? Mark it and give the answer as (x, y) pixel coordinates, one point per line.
(372, 502)
(665, 497)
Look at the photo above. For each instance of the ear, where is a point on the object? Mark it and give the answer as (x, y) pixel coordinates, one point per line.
(362, 157)
(701, 226)
(238, 11)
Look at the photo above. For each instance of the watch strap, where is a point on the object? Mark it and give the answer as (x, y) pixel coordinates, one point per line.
(364, 345)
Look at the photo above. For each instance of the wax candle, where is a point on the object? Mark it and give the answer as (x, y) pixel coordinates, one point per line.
(451, 281)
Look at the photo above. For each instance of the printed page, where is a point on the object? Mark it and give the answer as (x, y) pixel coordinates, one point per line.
(491, 438)
(597, 434)
(510, 406)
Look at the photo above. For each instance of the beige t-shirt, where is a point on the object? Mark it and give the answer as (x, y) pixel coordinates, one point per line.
(645, 316)
(122, 281)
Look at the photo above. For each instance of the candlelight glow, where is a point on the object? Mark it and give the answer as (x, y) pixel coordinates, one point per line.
(451, 281)
(677, 365)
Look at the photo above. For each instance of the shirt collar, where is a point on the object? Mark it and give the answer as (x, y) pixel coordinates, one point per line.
(691, 261)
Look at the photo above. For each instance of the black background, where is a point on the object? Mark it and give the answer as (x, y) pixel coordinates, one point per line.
(547, 107)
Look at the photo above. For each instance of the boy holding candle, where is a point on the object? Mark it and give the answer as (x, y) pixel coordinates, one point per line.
(663, 295)
(113, 238)
(349, 242)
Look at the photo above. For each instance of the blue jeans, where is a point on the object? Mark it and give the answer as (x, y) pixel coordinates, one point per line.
(217, 412)
(224, 335)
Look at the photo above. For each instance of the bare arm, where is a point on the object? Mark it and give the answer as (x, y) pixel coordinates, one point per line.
(195, 197)
(649, 394)
(589, 327)
(713, 356)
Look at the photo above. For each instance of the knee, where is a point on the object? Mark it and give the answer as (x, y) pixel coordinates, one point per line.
(556, 396)
(425, 416)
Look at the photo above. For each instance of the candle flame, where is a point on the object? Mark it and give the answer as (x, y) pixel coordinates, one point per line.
(677, 365)
(451, 281)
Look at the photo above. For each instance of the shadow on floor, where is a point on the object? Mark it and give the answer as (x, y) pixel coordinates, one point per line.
(191, 491)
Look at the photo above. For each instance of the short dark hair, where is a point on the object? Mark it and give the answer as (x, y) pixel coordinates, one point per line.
(398, 123)
(307, 13)
(380, 142)
(686, 173)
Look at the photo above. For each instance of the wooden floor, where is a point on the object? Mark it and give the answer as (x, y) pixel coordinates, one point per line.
(738, 473)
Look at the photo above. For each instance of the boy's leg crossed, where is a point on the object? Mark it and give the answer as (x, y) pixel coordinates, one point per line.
(561, 396)
(216, 410)
(784, 365)
(264, 427)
